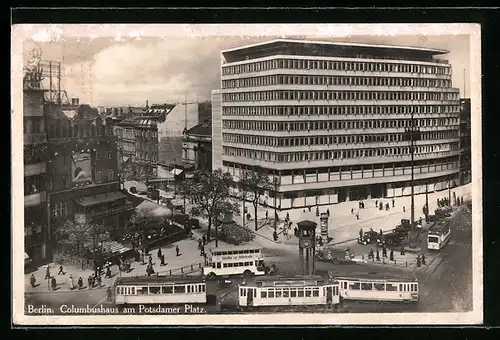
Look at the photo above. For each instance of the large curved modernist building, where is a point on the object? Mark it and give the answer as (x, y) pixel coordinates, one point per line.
(328, 119)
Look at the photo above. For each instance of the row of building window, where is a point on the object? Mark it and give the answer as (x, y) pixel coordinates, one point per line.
(146, 133)
(63, 129)
(146, 156)
(104, 176)
(330, 140)
(338, 124)
(338, 95)
(126, 133)
(60, 209)
(288, 157)
(335, 81)
(301, 64)
(336, 110)
(33, 125)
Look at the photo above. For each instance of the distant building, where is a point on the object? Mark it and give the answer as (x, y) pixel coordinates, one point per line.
(35, 171)
(83, 180)
(465, 141)
(216, 130)
(197, 146)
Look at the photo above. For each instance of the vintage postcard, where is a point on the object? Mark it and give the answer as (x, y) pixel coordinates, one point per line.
(247, 174)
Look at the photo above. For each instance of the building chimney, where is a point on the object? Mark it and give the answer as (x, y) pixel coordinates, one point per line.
(75, 101)
(147, 104)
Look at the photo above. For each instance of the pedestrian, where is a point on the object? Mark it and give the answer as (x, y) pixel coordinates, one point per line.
(267, 214)
(381, 233)
(376, 203)
(202, 251)
(384, 251)
(328, 212)
(391, 255)
(402, 250)
(47, 272)
(89, 281)
(393, 202)
(203, 239)
(352, 211)
(108, 271)
(370, 254)
(159, 253)
(317, 211)
(357, 215)
(275, 236)
(404, 208)
(387, 206)
(162, 260)
(378, 255)
(361, 234)
(296, 231)
(32, 281)
(61, 270)
(71, 283)
(80, 283)
(199, 243)
(93, 280)
(99, 281)
(205, 258)
(109, 294)
(287, 216)
(53, 283)
(309, 207)
(423, 259)
(150, 260)
(418, 260)
(380, 206)
(177, 253)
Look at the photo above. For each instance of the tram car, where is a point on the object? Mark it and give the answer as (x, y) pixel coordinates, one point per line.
(158, 290)
(287, 293)
(376, 287)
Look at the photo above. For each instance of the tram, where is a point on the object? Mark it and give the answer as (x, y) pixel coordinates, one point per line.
(278, 291)
(376, 287)
(439, 235)
(159, 290)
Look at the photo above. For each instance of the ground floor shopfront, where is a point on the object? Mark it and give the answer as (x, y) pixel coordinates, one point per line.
(337, 192)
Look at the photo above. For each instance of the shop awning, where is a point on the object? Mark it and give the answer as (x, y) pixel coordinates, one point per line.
(27, 258)
(88, 201)
(176, 171)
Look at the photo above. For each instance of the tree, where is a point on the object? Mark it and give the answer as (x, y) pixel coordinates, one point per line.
(210, 193)
(74, 235)
(253, 184)
(143, 221)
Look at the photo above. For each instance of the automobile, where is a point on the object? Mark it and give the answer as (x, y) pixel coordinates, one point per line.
(391, 239)
(335, 256)
(368, 237)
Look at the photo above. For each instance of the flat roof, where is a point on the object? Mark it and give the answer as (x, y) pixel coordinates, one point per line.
(335, 44)
(166, 279)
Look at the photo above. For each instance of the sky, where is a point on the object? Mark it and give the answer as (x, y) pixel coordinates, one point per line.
(105, 72)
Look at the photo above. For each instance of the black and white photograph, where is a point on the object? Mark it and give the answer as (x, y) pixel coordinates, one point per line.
(247, 174)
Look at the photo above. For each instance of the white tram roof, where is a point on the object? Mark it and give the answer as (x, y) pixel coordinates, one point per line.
(233, 248)
(151, 280)
(279, 281)
(371, 276)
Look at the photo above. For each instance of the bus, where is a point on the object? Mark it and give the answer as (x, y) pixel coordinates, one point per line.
(237, 260)
(439, 235)
(377, 287)
(298, 291)
(159, 290)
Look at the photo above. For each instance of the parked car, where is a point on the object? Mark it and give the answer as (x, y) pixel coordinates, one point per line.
(393, 238)
(368, 237)
(335, 256)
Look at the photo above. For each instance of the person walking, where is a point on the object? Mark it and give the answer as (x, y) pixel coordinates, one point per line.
(61, 270)
(109, 294)
(71, 283)
(159, 253)
(53, 283)
(108, 272)
(177, 251)
(199, 244)
(80, 283)
(204, 240)
(393, 205)
(47, 272)
(202, 251)
(162, 260)
(357, 215)
(32, 281)
(99, 281)
(378, 255)
(391, 255)
(89, 282)
(423, 260)
(267, 215)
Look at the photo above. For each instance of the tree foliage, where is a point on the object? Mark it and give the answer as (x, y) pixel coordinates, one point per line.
(132, 171)
(253, 184)
(74, 235)
(210, 193)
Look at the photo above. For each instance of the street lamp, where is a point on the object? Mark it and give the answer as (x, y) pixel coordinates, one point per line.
(412, 134)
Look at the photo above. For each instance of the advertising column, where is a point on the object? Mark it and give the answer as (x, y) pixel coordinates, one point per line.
(324, 227)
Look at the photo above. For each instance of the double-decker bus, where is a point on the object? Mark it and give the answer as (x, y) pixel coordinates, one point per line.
(157, 290)
(298, 291)
(439, 235)
(376, 287)
(237, 260)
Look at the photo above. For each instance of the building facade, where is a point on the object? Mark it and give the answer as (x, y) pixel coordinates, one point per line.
(35, 172)
(83, 183)
(465, 142)
(197, 146)
(328, 119)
